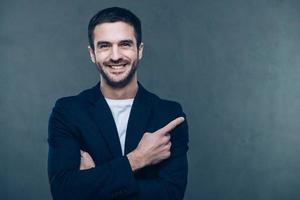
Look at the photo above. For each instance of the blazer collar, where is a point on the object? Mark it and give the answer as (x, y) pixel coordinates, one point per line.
(137, 122)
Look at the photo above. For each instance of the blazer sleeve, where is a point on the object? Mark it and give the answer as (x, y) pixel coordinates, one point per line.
(173, 172)
(113, 179)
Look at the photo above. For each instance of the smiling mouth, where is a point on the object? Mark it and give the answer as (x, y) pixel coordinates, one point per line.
(117, 69)
(117, 66)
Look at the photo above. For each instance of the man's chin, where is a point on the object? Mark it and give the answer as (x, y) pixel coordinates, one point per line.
(118, 84)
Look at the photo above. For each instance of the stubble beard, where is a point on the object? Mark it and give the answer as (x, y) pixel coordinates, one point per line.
(120, 83)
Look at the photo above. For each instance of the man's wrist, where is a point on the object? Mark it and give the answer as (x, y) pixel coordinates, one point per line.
(136, 160)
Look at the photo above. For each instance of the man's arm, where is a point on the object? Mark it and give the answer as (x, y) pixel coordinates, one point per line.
(154, 148)
(172, 179)
(110, 180)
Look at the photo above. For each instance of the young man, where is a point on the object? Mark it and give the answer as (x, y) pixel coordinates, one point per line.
(117, 140)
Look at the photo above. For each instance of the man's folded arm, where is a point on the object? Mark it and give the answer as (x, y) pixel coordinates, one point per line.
(110, 180)
(172, 180)
(114, 179)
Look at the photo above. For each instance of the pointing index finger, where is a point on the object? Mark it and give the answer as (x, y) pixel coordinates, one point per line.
(170, 126)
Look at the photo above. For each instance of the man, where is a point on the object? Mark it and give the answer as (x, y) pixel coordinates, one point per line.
(117, 140)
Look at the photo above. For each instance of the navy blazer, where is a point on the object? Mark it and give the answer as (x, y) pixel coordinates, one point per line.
(85, 122)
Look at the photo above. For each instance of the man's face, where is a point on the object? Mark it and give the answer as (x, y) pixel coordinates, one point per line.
(116, 53)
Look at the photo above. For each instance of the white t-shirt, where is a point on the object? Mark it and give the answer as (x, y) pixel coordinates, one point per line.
(120, 109)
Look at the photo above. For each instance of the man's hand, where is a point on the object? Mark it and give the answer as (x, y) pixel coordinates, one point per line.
(153, 147)
(86, 161)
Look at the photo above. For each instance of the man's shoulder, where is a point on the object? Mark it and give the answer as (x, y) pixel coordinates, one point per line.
(168, 103)
(164, 110)
(165, 104)
(75, 101)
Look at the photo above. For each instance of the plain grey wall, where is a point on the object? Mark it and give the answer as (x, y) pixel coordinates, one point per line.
(234, 65)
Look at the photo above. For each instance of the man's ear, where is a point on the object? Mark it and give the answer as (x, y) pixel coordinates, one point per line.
(141, 48)
(92, 54)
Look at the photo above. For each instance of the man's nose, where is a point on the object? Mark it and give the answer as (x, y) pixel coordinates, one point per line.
(115, 53)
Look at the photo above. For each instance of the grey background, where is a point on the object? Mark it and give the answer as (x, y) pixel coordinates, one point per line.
(233, 65)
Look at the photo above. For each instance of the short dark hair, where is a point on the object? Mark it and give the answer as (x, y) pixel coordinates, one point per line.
(115, 14)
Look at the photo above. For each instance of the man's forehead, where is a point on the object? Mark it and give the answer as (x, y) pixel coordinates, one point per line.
(114, 31)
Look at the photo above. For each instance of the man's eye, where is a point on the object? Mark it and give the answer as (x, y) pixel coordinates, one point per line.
(101, 46)
(126, 44)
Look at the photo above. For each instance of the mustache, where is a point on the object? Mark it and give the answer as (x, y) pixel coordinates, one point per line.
(116, 62)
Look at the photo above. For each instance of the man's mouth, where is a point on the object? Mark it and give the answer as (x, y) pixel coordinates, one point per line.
(119, 66)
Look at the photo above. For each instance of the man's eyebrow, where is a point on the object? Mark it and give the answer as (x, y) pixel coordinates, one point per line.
(102, 42)
(122, 41)
(127, 41)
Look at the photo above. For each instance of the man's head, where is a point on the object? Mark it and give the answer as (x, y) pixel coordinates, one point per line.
(115, 14)
(115, 45)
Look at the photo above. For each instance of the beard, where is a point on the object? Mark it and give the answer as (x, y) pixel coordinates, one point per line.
(121, 83)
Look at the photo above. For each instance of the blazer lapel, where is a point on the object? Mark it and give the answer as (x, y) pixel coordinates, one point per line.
(104, 120)
(139, 116)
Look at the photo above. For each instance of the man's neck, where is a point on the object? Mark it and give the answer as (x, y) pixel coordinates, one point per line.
(127, 92)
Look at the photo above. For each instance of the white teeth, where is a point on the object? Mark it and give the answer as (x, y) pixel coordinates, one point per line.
(117, 66)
